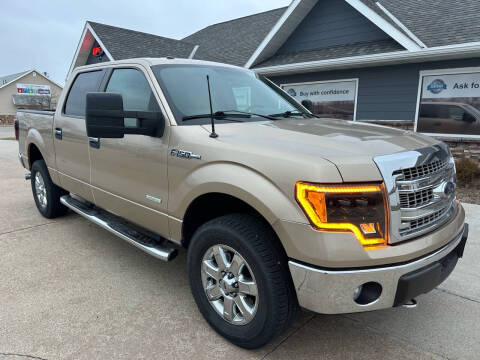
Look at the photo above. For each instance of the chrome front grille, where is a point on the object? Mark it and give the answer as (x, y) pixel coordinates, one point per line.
(421, 171)
(421, 190)
(423, 222)
(416, 199)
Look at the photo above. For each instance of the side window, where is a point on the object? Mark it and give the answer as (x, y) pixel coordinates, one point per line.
(83, 84)
(136, 92)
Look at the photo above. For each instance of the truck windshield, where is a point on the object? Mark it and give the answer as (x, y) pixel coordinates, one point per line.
(233, 91)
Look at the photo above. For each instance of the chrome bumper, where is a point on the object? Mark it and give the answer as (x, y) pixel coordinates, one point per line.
(332, 291)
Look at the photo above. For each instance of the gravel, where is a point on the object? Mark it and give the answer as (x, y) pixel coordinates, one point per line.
(470, 194)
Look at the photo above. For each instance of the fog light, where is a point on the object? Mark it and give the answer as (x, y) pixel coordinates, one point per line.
(357, 292)
(368, 293)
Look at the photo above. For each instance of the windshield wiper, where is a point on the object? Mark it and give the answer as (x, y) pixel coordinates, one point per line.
(269, 117)
(221, 115)
(288, 114)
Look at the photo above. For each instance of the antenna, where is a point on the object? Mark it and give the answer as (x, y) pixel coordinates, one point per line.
(212, 116)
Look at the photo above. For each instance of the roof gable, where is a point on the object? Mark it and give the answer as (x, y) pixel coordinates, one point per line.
(126, 44)
(298, 11)
(8, 79)
(119, 44)
(331, 23)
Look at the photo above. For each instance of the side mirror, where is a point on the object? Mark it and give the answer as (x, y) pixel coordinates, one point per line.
(308, 104)
(105, 118)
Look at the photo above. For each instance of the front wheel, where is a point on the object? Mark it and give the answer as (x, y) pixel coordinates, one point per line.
(240, 280)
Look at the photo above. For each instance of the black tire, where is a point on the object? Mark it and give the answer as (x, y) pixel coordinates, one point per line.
(53, 207)
(258, 245)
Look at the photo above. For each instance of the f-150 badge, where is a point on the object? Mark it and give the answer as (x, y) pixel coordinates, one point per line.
(185, 154)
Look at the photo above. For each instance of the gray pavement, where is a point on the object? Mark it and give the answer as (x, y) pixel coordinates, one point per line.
(6, 132)
(70, 290)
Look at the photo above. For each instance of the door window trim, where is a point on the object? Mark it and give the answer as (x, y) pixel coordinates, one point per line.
(108, 75)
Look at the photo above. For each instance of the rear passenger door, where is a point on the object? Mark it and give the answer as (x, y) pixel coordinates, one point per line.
(70, 140)
(129, 175)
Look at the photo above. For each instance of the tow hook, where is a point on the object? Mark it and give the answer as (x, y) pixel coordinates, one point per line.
(28, 176)
(410, 304)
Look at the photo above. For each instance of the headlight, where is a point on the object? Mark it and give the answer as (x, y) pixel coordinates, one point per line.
(360, 209)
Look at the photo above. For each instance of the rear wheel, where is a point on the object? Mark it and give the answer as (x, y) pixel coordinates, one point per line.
(45, 192)
(240, 279)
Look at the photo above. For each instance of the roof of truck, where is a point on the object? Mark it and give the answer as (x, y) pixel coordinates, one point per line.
(147, 61)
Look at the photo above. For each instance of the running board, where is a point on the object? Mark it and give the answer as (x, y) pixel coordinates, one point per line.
(151, 243)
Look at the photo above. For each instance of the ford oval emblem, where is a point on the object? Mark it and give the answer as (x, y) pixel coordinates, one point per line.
(437, 86)
(449, 189)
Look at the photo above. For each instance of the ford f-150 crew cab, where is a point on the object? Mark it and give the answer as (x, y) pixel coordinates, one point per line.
(276, 207)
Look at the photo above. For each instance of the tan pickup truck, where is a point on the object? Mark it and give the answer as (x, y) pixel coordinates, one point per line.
(276, 207)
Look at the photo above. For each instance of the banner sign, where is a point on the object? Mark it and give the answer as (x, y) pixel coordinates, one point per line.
(31, 89)
(335, 99)
(450, 104)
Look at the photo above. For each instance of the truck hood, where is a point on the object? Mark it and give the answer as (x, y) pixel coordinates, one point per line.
(350, 145)
(340, 138)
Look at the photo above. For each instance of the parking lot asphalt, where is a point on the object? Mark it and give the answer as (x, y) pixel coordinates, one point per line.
(71, 290)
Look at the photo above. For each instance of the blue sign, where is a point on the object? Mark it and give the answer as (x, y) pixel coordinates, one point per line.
(437, 86)
(292, 92)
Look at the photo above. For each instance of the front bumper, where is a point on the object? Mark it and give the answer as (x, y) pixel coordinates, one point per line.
(332, 291)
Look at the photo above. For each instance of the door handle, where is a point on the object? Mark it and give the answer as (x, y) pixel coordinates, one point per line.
(94, 142)
(58, 133)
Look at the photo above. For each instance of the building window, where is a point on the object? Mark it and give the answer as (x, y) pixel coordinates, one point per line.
(449, 103)
(331, 99)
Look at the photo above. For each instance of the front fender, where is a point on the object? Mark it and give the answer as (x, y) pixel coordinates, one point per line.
(239, 181)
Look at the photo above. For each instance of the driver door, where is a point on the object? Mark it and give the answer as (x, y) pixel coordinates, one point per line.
(129, 175)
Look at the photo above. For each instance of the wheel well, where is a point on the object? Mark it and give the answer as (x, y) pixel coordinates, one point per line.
(34, 154)
(209, 206)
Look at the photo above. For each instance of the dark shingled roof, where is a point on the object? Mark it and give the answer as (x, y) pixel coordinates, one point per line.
(127, 44)
(436, 22)
(334, 52)
(234, 41)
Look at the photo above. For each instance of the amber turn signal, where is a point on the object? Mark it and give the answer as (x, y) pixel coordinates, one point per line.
(360, 209)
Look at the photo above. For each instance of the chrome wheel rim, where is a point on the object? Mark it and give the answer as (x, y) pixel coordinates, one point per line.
(40, 190)
(229, 284)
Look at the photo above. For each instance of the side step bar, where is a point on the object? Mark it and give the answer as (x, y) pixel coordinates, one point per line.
(150, 243)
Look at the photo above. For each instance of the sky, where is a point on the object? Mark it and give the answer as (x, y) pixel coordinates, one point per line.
(44, 35)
